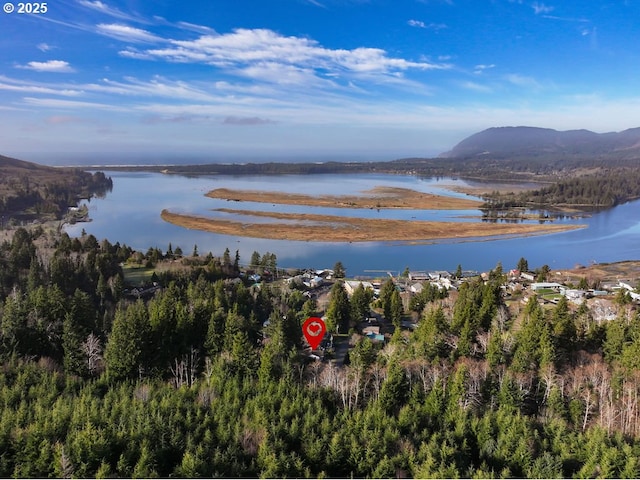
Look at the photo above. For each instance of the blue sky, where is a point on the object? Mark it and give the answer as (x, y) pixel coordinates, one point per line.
(285, 79)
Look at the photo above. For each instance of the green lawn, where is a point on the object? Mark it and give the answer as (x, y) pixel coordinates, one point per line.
(135, 276)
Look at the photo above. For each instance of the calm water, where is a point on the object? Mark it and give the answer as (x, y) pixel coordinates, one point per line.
(130, 214)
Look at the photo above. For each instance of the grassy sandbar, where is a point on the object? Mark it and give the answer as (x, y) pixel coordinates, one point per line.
(376, 198)
(330, 228)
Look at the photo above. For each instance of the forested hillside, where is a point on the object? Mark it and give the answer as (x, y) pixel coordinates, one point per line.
(29, 190)
(187, 381)
(605, 189)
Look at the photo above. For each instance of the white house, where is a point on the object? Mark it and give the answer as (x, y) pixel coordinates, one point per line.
(545, 285)
(351, 285)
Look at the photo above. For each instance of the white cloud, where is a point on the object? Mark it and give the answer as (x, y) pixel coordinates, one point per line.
(64, 92)
(54, 66)
(430, 26)
(102, 7)
(127, 33)
(523, 81)
(157, 87)
(539, 8)
(195, 28)
(69, 104)
(476, 87)
(43, 47)
(266, 56)
(478, 69)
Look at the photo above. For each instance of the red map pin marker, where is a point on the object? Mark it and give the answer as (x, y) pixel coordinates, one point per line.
(313, 329)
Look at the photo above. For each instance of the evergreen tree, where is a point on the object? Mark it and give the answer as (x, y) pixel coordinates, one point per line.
(126, 351)
(396, 309)
(523, 265)
(386, 292)
(360, 302)
(431, 333)
(243, 355)
(339, 310)
(254, 264)
(393, 392)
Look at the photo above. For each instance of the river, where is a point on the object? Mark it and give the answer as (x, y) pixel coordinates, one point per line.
(130, 214)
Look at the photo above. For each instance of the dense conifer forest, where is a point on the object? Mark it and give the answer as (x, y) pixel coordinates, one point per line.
(602, 190)
(202, 373)
(32, 191)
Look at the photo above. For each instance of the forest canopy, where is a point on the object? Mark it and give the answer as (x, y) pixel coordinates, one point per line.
(201, 373)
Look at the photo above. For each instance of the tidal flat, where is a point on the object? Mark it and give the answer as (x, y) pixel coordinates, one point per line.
(333, 228)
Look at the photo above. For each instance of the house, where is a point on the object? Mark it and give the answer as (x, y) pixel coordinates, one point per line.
(418, 276)
(576, 296)
(325, 273)
(316, 281)
(416, 288)
(351, 285)
(375, 337)
(528, 276)
(443, 283)
(371, 330)
(545, 286)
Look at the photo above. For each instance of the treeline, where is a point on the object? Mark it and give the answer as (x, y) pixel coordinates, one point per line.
(207, 378)
(602, 190)
(37, 193)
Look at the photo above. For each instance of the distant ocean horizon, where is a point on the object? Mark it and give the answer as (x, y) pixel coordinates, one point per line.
(96, 160)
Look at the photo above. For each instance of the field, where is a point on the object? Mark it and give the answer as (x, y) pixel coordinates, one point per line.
(137, 275)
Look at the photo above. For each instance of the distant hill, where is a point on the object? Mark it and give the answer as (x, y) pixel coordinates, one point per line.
(9, 164)
(30, 190)
(501, 142)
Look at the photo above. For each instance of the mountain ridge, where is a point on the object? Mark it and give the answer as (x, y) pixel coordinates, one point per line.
(522, 141)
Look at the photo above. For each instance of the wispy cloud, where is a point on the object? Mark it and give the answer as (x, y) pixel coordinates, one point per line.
(157, 87)
(476, 87)
(539, 8)
(265, 55)
(44, 47)
(195, 28)
(8, 84)
(69, 104)
(429, 26)
(479, 69)
(105, 9)
(246, 121)
(127, 33)
(567, 19)
(523, 81)
(53, 66)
